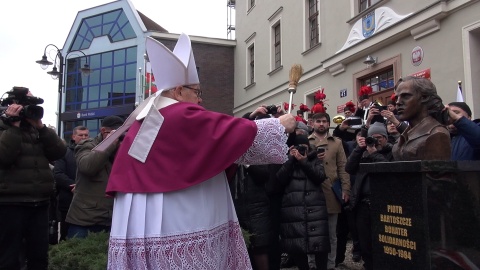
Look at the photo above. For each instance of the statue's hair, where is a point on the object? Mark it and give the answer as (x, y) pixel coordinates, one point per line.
(427, 90)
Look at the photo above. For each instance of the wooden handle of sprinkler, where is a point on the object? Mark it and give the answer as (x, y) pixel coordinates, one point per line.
(291, 91)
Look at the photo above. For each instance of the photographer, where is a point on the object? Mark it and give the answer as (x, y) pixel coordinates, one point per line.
(26, 180)
(374, 148)
(304, 215)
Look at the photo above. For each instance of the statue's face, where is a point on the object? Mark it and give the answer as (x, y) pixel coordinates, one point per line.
(409, 102)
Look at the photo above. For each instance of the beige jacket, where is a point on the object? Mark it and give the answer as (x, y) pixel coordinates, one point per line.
(334, 164)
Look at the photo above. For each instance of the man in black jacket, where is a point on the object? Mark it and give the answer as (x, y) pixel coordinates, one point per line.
(374, 148)
(65, 170)
(26, 185)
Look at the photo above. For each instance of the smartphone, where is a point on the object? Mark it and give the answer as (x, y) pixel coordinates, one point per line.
(354, 121)
(320, 150)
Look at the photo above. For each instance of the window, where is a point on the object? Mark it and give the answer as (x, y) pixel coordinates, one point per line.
(365, 4)
(313, 22)
(277, 46)
(382, 84)
(380, 81)
(112, 81)
(113, 24)
(251, 55)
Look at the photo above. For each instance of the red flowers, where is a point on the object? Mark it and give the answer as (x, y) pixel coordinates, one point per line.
(320, 95)
(365, 90)
(304, 108)
(350, 106)
(286, 105)
(319, 106)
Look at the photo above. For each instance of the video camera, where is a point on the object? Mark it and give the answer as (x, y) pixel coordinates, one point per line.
(18, 95)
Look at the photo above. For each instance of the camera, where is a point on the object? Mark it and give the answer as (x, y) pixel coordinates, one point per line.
(19, 96)
(370, 141)
(301, 149)
(380, 108)
(272, 109)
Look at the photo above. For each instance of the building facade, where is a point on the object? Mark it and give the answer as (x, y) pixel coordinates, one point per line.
(111, 39)
(332, 40)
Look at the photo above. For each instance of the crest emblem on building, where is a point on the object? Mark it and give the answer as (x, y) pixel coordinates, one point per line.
(368, 24)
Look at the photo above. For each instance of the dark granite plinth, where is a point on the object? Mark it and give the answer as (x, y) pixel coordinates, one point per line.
(425, 214)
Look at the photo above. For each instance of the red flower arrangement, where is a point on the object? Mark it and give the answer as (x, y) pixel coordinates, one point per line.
(365, 90)
(286, 106)
(319, 107)
(350, 106)
(304, 108)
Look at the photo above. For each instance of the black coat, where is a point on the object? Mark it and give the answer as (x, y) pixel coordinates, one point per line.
(64, 171)
(252, 203)
(360, 155)
(304, 216)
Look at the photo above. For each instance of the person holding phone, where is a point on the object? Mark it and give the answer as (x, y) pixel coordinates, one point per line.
(304, 216)
(377, 151)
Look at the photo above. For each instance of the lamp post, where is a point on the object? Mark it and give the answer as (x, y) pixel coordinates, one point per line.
(59, 73)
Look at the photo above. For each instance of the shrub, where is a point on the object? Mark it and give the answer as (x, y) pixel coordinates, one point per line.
(89, 253)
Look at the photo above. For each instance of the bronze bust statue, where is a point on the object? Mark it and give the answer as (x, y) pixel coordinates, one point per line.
(426, 138)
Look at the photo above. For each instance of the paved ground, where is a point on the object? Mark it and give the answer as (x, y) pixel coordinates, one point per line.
(347, 264)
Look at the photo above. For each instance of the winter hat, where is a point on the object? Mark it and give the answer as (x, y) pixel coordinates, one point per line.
(463, 106)
(301, 125)
(112, 122)
(377, 128)
(301, 139)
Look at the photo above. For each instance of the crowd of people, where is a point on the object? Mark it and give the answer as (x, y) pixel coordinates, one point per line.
(295, 188)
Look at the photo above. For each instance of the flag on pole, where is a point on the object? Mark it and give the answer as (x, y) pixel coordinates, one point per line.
(149, 86)
(459, 92)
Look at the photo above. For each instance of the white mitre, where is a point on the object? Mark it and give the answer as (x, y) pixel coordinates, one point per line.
(171, 69)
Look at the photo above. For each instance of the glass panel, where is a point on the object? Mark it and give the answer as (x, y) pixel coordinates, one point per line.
(119, 57)
(83, 106)
(106, 28)
(128, 32)
(131, 71)
(92, 124)
(106, 75)
(118, 87)
(117, 36)
(83, 30)
(97, 31)
(103, 103)
(130, 87)
(89, 37)
(119, 73)
(94, 92)
(95, 61)
(111, 16)
(122, 19)
(93, 104)
(94, 21)
(132, 54)
(105, 91)
(107, 59)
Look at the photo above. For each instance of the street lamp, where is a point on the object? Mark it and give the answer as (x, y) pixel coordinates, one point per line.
(56, 73)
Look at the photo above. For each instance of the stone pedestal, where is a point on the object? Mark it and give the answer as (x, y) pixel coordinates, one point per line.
(425, 214)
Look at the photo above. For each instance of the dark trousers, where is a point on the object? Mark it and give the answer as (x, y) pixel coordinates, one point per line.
(274, 253)
(19, 223)
(76, 231)
(365, 233)
(63, 225)
(345, 225)
(301, 260)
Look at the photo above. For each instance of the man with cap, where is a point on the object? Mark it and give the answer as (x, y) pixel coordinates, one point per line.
(374, 148)
(91, 210)
(173, 208)
(465, 132)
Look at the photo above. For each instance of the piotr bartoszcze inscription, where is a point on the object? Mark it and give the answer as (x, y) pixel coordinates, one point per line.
(395, 234)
